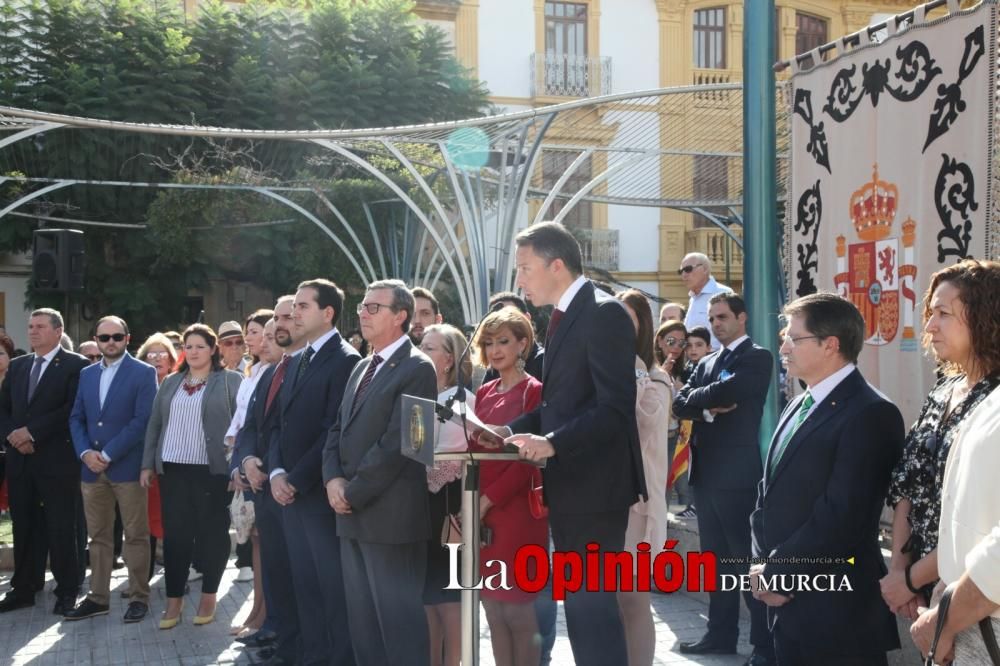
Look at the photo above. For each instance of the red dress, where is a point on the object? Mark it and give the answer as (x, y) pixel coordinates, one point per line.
(506, 483)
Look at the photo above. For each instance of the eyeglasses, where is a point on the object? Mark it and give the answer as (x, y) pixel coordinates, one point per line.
(372, 308)
(687, 269)
(675, 342)
(790, 341)
(105, 337)
(232, 342)
(93, 358)
(157, 354)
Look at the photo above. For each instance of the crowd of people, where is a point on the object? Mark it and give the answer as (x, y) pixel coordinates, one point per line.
(290, 432)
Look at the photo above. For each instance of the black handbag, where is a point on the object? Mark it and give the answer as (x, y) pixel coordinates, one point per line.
(985, 628)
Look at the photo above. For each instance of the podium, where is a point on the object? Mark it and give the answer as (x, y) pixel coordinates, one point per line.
(421, 425)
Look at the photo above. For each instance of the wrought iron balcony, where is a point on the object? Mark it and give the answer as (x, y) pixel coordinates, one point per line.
(599, 247)
(561, 75)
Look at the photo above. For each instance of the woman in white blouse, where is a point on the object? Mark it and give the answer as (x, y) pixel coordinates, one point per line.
(185, 447)
(248, 554)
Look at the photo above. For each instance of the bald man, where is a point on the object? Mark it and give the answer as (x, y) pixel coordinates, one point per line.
(696, 274)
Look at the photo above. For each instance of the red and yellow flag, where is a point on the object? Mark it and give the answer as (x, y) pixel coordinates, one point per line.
(682, 453)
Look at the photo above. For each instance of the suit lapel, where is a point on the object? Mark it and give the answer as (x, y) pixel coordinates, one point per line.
(790, 411)
(576, 306)
(321, 357)
(832, 404)
(47, 377)
(119, 379)
(381, 377)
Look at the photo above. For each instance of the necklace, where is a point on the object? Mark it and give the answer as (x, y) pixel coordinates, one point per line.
(192, 386)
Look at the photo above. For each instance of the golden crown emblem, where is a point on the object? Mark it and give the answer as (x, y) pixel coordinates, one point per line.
(873, 208)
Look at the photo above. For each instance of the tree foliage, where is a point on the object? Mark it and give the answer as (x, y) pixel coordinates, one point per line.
(263, 65)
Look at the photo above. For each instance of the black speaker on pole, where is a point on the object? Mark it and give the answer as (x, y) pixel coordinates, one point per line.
(57, 261)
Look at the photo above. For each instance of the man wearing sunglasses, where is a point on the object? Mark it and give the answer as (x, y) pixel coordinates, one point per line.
(108, 424)
(696, 274)
(232, 346)
(90, 350)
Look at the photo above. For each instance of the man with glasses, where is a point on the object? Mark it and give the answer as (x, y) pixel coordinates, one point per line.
(89, 350)
(108, 424)
(725, 399)
(696, 274)
(232, 346)
(383, 517)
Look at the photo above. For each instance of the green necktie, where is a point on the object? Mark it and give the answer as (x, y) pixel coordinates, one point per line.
(803, 412)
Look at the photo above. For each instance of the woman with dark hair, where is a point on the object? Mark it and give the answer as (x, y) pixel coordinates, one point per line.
(248, 552)
(185, 448)
(356, 340)
(670, 343)
(647, 521)
(961, 320)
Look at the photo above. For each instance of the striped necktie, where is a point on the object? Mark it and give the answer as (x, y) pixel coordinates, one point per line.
(365, 381)
(800, 417)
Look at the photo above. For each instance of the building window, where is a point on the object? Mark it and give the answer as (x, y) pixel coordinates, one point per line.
(711, 183)
(710, 38)
(810, 33)
(565, 64)
(554, 164)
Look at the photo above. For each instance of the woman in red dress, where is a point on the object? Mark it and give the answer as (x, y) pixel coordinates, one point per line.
(503, 342)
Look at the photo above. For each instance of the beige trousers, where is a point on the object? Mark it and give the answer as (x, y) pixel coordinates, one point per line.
(99, 507)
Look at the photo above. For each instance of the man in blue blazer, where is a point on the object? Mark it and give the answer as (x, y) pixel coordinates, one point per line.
(108, 425)
(309, 401)
(725, 399)
(825, 481)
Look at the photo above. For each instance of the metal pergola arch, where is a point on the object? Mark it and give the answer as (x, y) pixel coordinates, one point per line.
(462, 220)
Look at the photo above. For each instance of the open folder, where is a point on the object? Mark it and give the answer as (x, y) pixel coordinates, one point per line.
(422, 421)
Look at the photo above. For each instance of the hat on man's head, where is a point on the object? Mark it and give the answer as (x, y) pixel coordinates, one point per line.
(229, 329)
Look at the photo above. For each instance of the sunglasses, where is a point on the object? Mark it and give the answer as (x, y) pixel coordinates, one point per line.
(157, 354)
(106, 337)
(675, 342)
(93, 357)
(232, 343)
(687, 269)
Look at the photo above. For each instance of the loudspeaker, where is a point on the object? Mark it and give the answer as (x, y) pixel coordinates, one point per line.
(57, 261)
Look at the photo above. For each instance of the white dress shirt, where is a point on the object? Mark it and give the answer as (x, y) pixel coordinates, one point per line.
(388, 351)
(108, 373)
(571, 291)
(697, 314)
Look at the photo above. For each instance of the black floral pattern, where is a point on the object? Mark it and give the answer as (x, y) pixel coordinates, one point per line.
(919, 475)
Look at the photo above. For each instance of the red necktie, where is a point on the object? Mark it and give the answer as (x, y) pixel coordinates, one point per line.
(554, 320)
(276, 380)
(366, 380)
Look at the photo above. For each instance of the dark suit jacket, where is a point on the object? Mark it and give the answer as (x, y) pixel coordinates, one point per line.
(308, 410)
(253, 439)
(46, 416)
(824, 500)
(387, 492)
(588, 409)
(726, 452)
(119, 428)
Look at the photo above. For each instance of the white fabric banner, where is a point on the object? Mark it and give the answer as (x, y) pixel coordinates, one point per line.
(891, 178)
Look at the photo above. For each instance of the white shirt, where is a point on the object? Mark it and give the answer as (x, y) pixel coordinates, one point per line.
(571, 291)
(108, 373)
(388, 351)
(819, 393)
(697, 314)
(969, 530)
(243, 395)
(45, 364)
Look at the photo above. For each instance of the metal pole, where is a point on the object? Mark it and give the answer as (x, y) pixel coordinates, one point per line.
(760, 225)
(470, 563)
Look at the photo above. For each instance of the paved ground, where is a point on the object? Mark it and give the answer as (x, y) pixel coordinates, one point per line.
(35, 636)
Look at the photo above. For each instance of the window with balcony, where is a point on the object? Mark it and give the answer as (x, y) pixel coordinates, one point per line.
(554, 165)
(810, 32)
(711, 183)
(710, 38)
(565, 67)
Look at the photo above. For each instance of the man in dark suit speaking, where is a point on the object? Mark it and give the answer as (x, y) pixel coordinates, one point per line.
(585, 427)
(826, 478)
(381, 499)
(725, 399)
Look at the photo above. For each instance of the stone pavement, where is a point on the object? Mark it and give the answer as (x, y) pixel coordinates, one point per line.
(35, 636)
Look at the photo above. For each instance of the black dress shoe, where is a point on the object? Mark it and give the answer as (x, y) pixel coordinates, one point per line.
(706, 645)
(12, 601)
(85, 609)
(758, 659)
(135, 612)
(64, 605)
(267, 653)
(261, 638)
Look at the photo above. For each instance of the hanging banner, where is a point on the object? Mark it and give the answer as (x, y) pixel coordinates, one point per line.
(892, 178)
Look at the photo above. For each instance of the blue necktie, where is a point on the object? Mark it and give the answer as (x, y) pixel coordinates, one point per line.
(36, 372)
